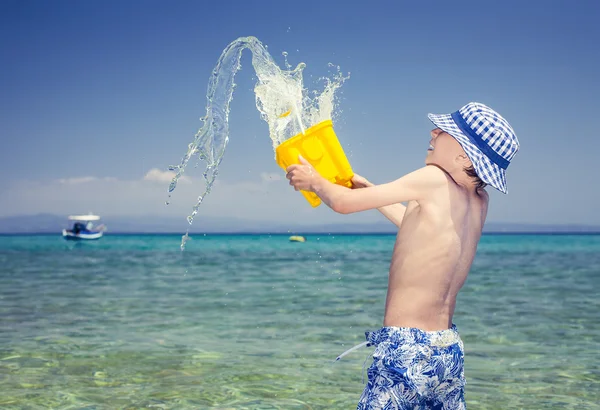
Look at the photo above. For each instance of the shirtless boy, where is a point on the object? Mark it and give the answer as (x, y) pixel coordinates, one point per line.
(419, 356)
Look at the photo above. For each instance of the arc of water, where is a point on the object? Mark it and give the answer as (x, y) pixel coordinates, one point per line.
(276, 92)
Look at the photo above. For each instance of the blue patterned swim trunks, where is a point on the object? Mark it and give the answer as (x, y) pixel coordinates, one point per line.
(415, 369)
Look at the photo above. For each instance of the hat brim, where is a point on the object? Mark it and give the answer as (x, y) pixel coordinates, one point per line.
(487, 171)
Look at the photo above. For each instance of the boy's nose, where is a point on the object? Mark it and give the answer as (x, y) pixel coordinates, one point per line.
(435, 132)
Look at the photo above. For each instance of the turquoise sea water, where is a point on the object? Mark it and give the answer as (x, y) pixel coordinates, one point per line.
(255, 322)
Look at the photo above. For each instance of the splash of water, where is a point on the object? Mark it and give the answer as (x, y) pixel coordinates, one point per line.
(283, 102)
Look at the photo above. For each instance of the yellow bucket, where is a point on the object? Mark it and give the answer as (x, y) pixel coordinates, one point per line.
(319, 146)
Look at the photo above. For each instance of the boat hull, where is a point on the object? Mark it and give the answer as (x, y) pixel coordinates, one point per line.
(85, 236)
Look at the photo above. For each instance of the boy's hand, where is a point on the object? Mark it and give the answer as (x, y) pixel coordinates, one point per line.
(360, 182)
(303, 176)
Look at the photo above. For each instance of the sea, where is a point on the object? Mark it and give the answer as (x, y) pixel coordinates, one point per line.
(255, 321)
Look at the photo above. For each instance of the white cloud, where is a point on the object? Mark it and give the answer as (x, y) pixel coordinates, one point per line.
(82, 180)
(157, 175)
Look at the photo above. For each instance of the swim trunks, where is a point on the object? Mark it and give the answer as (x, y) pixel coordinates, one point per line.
(415, 369)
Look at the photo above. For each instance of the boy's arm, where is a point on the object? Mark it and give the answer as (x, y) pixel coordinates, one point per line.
(395, 212)
(418, 185)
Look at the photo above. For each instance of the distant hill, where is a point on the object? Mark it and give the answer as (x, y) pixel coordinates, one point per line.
(501, 227)
(48, 223)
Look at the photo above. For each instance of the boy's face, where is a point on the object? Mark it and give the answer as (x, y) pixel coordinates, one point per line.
(445, 152)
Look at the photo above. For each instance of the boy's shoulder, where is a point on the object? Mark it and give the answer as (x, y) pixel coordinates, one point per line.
(483, 194)
(434, 176)
(430, 182)
(430, 173)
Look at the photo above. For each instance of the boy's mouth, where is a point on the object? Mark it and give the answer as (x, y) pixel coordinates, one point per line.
(430, 148)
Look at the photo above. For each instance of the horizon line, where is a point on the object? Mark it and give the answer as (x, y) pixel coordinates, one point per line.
(224, 233)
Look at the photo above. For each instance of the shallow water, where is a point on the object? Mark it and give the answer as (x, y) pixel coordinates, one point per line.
(255, 322)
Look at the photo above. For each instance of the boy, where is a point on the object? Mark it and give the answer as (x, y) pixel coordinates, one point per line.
(419, 356)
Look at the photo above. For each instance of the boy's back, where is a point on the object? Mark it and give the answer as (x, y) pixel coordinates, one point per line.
(432, 256)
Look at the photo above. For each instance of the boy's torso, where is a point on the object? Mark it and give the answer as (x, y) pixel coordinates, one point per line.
(434, 250)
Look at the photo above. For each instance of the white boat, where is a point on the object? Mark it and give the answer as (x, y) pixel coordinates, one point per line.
(83, 228)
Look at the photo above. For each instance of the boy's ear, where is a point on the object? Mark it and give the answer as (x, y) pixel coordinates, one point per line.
(463, 160)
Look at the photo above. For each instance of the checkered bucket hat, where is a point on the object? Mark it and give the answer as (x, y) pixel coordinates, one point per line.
(488, 140)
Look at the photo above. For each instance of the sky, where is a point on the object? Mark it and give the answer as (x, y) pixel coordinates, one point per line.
(97, 99)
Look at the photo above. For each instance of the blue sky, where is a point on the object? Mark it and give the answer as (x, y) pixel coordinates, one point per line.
(98, 98)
